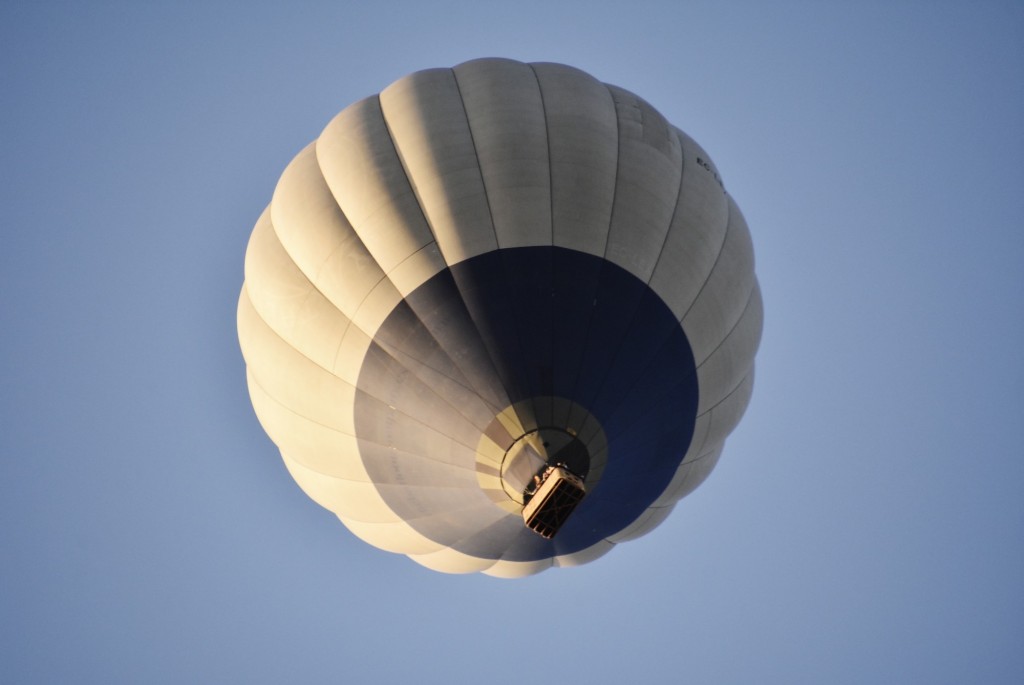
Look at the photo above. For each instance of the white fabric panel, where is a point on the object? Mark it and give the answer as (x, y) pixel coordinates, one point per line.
(406, 540)
(646, 187)
(287, 301)
(506, 115)
(351, 352)
(584, 556)
(447, 560)
(398, 537)
(428, 125)
(697, 233)
(724, 296)
(519, 569)
(314, 445)
(379, 303)
(465, 400)
(424, 471)
(650, 519)
(582, 139)
(417, 269)
(346, 498)
(733, 359)
(366, 177)
(318, 237)
(290, 378)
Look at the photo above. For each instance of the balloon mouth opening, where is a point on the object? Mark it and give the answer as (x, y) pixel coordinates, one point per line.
(515, 447)
(534, 453)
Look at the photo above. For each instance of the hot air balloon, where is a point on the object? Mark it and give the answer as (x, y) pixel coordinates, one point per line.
(500, 317)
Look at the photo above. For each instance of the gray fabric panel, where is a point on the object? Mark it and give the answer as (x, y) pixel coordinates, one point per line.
(647, 185)
(506, 116)
(427, 121)
(583, 141)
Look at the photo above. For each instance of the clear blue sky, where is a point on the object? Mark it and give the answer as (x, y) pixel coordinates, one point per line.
(866, 524)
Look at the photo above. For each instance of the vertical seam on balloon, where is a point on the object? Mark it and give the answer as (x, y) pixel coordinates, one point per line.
(313, 283)
(718, 257)
(498, 247)
(735, 324)
(273, 398)
(547, 143)
(440, 346)
(551, 228)
(632, 317)
(327, 258)
(405, 172)
(491, 357)
(430, 227)
(618, 159)
(675, 208)
(352, 323)
(604, 257)
(491, 354)
(351, 318)
(476, 154)
(359, 306)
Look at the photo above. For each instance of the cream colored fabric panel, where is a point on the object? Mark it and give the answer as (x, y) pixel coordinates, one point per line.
(318, 238)
(725, 294)
(650, 519)
(447, 560)
(398, 537)
(466, 401)
(428, 125)
(733, 358)
(432, 440)
(346, 498)
(506, 116)
(379, 303)
(314, 445)
(361, 167)
(349, 359)
(519, 569)
(646, 187)
(583, 143)
(417, 269)
(697, 233)
(287, 301)
(584, 556)
(291, 378)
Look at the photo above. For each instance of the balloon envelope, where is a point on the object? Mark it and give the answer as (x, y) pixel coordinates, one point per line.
(483, 271)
